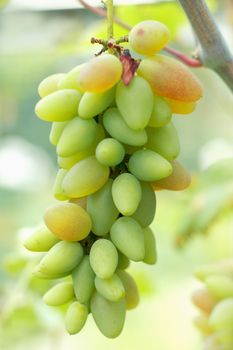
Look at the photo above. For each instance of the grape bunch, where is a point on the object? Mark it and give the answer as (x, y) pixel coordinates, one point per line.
(116, 145)
(215, 301)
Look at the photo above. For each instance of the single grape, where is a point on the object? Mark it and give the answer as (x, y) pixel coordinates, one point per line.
(69, 81)
(100, 74)
(127, 235)
(111, 288)
(119, 130)
(148, 37)
(148, 165)
(126, 193)
(68, 221)
(103, 258)
(76, 317)
(83, 280)
(135, 102)
(41, 240)
(161, 113)
(102, 210)
(180, 107)
(59, 294)
(56, 131)
(50, 84)
(110, 152)
(59, 106)
(85, 178)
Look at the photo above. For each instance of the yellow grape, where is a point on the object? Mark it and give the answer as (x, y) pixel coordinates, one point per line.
(85, 178)
(50, 84)
(148, 37)
(59, 106)
(68, 221)
(100, 74)
(180, 107)
(41, 240)
(69, 81)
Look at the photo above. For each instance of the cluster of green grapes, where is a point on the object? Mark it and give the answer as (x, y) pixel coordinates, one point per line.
(215, 301)
(116, 144)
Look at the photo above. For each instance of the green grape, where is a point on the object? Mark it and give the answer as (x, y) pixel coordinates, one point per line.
(41, 240)
(150, 247)
(164, 141)
(76, 317)
(145, 211)
(135, 102)
(220, 286)
(111, 288)
(103, 258)
(221, 317)
(59, 294)
(118, 129)
(94, 103)
(57, 189)
(128, 237)
(161, 113)
(69, 81)
(148, 165)
(78, 135)
(68, 221)
(61, 259)
(50, 84)
(38, 274)
(59, 106)
(83, 279)
(131, 290)
(126, 193)
(56, 131)
(102, 210)
(85, 178)
(109, 316)
(123, 261)
(100, 74)
(148, 37)
(110, 152)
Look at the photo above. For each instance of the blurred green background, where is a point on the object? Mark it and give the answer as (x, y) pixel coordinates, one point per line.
(37, 42)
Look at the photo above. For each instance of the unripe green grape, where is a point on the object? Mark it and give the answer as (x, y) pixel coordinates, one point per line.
(50, 84)
(41, 240)
(57, 189)
(148, 37)
(148, 165)
(76, 317)
(59, 106)
(220, 286)
(164, 141)
(61, 259)
(109, 316)
(59, 294)
(119, 130)
(110, 152)
(102, 210)
(103, 258)
(94, 103)
(68, 221)
(100, 74)
(131, 290)
(123, 261)
(83, 280)
(85, 178)
(56, 131)
(161, 113)
(128, 237)
(145, 211)
(69, 81)
(135, 102)
(111, 288)
(78, 135)
(126, 193)
(150, 247)
(221, 318)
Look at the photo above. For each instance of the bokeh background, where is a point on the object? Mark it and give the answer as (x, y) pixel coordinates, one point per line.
(193, 227)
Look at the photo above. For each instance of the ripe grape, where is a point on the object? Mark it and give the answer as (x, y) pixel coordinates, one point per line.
(148, 37)
(180, 107)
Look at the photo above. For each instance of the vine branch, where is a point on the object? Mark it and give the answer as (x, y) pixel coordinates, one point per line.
(179, 55)
(215, 53)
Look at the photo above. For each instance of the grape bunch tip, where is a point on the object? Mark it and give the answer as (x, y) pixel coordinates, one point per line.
(115, 146)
